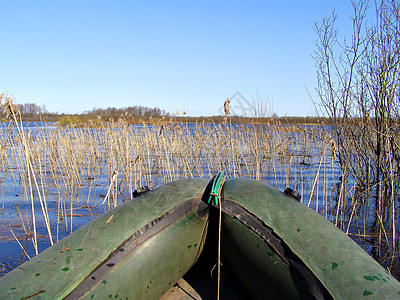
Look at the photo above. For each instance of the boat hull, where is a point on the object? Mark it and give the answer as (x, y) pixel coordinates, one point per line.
(278, 246)
(137, 250)
(271, 247)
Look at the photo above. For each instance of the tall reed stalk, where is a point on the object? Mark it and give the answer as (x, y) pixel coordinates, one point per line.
(69, 172)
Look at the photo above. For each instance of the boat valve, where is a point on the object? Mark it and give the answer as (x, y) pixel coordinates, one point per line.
(295, 194)
(140, 191)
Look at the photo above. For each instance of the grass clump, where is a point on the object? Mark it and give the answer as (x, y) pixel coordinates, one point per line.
(78, 168)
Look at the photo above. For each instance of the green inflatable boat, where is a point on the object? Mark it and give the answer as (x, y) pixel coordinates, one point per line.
(271, 247)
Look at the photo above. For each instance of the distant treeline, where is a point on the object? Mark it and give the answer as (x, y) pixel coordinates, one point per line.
(34, 112)
(135, 111)
(141, 114)
(31, 109)
(253, 120)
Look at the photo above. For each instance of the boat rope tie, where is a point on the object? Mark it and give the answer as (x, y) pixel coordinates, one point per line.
(216, 188)
(215, 194)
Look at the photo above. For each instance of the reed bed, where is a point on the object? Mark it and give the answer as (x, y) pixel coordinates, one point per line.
(67, 176)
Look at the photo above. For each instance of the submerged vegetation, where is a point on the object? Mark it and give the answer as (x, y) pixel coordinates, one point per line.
(65, 176)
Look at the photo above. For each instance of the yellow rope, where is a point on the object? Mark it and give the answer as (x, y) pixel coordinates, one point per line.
(219, 250)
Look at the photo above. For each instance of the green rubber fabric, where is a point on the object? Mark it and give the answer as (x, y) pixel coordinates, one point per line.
(146, 272)
(274, 248)
(346, 270)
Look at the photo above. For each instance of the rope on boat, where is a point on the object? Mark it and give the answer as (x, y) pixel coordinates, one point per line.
(215, 195)
(216, 188)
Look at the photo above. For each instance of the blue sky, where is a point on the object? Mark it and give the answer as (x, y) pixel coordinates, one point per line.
(176, 55)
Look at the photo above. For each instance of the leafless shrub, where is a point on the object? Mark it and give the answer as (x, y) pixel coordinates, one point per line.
(359, 90)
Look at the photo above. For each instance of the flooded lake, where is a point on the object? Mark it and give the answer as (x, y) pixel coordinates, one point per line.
(56, 179)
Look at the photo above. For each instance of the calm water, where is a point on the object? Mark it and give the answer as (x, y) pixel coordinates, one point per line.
(313, 174)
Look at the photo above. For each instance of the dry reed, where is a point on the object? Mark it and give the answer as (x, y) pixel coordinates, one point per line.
(71, 171)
